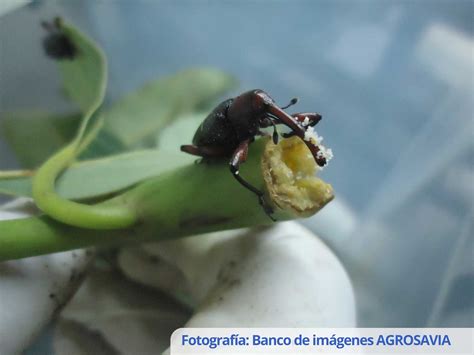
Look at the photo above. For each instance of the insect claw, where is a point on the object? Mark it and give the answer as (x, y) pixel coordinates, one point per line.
(266, 207)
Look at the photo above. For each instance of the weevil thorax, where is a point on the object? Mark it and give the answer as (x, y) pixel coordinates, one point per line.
(247, 112)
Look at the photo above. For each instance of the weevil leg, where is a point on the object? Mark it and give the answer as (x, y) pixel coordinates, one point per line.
(239, 157)
(205, 152)
(192, 149)
(312, 119)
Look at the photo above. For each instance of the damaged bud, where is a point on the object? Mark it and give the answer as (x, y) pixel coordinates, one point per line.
(57, 45)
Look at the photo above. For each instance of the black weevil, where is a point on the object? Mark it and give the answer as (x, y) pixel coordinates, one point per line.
(229, 129)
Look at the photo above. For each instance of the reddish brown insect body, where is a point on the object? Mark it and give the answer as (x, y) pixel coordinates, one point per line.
(229, 129)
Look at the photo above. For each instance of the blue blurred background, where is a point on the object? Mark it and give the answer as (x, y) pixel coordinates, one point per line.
(394, 82)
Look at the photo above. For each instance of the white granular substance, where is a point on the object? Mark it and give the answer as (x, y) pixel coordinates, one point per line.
(312, 136)
(325, 153)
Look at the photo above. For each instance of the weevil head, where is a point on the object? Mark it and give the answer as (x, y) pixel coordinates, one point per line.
(301, 125)
(248, 110)
(253, 102)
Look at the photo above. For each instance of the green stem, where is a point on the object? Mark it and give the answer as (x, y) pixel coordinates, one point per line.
(70, 212)
(202, 197)
(25, 237)
(11, 174)
(194, 199)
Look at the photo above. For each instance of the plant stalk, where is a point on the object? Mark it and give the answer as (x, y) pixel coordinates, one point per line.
(198, 198)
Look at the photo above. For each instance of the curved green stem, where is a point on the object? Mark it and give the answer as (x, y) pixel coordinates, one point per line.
(85, 79)
(70, 212)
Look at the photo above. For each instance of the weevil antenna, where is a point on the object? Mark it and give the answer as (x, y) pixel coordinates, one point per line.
(275, 132)
(292, 102)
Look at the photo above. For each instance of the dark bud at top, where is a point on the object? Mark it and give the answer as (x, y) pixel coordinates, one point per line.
(56, 44)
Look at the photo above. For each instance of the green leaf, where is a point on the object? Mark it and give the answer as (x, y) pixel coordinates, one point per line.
(85, 76)
(152, 105)
(94, 178)
(180, 131)
(50, 132)
(104, 176)
(36, 135)
(15, 186)
(137, 118)
(104, 144)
